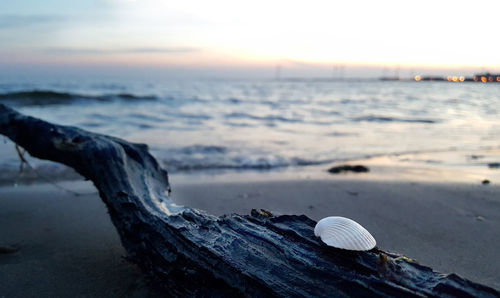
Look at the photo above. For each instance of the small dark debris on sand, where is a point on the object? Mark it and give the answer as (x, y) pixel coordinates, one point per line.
(261, 213)
(348, 168)
(494, 165)
(8, 250)
(485, 182)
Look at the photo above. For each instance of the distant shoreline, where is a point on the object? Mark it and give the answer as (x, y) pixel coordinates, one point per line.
(477, 78)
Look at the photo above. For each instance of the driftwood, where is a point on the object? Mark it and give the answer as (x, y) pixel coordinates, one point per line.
(194, 253)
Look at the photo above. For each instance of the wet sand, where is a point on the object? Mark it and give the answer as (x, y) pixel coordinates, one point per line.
(69, 247)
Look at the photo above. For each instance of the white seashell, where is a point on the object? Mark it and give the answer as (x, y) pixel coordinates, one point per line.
(345, 233)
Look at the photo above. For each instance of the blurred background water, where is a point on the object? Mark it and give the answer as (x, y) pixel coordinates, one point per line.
(200, 125)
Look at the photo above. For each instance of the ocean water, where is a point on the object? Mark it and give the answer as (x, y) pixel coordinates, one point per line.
(242, 125)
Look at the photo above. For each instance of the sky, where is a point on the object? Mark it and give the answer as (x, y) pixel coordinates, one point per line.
(312, 38)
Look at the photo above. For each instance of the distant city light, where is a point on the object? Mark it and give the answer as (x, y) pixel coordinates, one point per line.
(482, 77)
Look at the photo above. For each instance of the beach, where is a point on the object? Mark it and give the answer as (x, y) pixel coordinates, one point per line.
(67, 246)
(260, 109)
(432, 192)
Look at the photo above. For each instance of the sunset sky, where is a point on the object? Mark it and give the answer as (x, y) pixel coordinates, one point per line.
(317, 37)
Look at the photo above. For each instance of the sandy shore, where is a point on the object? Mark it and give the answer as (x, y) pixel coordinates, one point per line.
(67, 245)
(449, 227)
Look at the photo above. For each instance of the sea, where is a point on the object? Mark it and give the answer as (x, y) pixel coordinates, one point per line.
(235, 125)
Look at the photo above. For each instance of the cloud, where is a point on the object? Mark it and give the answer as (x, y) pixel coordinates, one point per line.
(138, 50)
(164, 50)
(16, 21)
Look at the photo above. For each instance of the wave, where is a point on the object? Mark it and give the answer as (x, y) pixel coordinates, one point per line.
(194, 158)
(372, 118)
(269, 118)
(202, 149)
(199, 157)
(129, 96)
(49, 97)
(208, 157)
(177, 164)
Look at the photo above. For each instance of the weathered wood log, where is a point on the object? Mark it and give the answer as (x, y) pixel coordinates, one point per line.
(194, 253)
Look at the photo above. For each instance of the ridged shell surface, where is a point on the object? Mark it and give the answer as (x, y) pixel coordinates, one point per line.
(345, 233)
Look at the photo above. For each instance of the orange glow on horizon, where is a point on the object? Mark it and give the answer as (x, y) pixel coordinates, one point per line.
(188, 34)
(226, 61)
